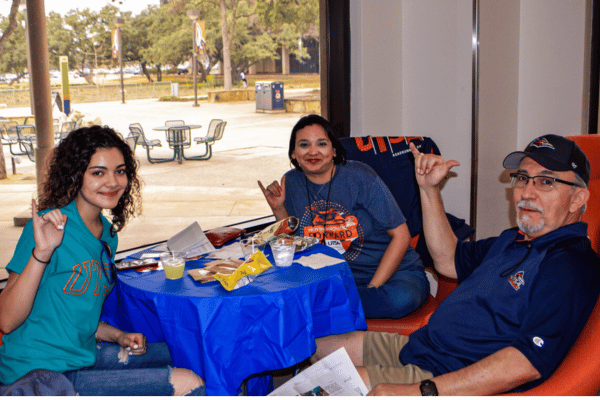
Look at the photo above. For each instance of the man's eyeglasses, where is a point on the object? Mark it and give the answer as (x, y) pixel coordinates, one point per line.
(111, 271)
(541, 182)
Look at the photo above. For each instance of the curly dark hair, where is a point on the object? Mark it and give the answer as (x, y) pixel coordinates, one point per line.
(70, 160)
(314, 119)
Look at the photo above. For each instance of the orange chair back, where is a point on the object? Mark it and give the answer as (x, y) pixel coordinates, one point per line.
(590, 144)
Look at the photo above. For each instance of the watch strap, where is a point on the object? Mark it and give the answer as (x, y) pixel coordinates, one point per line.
(428, 388)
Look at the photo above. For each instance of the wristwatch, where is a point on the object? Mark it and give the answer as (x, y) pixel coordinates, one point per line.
(428, 388)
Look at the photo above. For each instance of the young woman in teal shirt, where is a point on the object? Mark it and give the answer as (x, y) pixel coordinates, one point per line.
(63, 269)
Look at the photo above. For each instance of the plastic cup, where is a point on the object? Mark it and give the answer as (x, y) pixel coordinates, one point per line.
(173, 263)
(249, 247)
(283, 253)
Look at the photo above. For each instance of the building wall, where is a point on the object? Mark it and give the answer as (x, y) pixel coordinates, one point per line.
(411, 74)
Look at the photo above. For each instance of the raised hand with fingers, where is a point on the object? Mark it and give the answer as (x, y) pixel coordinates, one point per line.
(430, 169)
(274, 193)
(48, 231)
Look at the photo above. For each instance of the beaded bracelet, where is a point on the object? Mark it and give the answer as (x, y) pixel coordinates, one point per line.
(37, 259)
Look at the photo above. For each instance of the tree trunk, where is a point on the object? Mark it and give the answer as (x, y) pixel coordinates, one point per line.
(285, 60)
(2, 164)
(226, 48)
(12, 23)
(158, 73)
(145, 71)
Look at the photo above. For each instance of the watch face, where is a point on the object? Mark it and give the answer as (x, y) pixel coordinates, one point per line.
(428, 388)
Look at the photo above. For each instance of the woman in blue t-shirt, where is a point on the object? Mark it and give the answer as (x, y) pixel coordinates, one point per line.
(63, 269)
(348, 207)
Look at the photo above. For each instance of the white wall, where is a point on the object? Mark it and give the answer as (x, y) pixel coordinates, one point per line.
(411, 75)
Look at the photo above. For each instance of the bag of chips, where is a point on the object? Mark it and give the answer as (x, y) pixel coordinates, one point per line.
(245, 273)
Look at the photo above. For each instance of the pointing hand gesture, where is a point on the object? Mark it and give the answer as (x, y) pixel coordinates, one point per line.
(430, 169)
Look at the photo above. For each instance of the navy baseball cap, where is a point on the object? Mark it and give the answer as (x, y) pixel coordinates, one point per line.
(554, 152)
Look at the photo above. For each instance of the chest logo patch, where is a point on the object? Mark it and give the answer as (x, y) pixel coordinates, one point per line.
(538, 341)
(516, 280)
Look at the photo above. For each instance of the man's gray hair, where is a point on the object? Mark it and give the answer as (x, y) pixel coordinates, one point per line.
(580, 183)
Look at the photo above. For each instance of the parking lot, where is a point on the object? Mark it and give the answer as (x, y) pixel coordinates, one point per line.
(216, 192)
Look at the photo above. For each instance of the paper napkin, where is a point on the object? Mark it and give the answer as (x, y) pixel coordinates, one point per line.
(316, 261)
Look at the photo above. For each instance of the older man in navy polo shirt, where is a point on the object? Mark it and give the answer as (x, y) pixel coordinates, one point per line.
(523, 297)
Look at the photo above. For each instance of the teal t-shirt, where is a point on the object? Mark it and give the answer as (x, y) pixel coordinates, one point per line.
(59, 333)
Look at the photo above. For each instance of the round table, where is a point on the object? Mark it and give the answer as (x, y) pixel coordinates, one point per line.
(226, 336)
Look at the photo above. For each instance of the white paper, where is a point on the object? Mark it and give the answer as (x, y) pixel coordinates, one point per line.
(334, 375)
(191, 240)
(233, 250)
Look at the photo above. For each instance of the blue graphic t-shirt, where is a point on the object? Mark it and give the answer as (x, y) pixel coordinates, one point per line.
(352, 212)
(59, 333)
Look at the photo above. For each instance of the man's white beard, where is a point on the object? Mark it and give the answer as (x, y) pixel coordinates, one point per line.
(524, 221)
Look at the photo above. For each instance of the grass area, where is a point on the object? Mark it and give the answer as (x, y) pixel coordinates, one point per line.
(138, 87)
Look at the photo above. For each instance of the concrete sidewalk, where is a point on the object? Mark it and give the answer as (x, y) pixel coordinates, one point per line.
(216, 192)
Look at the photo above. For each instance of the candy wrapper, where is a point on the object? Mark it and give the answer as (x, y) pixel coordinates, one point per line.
(283, 227)
(245, 273)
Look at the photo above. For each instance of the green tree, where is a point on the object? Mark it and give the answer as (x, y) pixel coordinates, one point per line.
(289, 20)
(139, 39)
(11, 24)
(83, 36)
(14, 57)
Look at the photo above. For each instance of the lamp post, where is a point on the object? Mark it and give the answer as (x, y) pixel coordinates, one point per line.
(194, 14)
(119, 23)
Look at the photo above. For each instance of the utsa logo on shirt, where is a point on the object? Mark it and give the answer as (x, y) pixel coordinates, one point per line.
(516, 280)
(84, 274)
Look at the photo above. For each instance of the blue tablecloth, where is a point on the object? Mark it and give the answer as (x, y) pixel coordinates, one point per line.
(227, 336)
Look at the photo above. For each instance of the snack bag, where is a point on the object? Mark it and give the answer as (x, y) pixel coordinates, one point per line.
(207, 274)
(245, 273)
(285, 226)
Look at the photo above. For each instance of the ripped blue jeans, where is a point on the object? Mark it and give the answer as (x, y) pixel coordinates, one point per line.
(144, 375)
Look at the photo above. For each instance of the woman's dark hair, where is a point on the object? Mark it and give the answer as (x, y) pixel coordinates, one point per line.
(70, 160)
(314, 119)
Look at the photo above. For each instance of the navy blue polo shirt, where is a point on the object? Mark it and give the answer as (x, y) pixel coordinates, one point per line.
(533, 295)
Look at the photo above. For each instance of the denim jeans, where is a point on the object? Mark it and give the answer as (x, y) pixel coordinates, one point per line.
(142, 375)
(403, 293)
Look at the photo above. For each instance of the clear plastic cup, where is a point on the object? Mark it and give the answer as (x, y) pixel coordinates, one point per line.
(173, 263)
(283, 253)
(250, 246)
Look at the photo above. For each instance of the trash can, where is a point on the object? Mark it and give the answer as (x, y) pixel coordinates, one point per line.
(269, 96)
(260, 96)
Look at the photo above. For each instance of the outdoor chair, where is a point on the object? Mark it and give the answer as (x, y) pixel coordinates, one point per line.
(65, 128)
(56, 124)
(179, 137)
(10, 137)
(136, 130)
(26, 138)
(214, 129)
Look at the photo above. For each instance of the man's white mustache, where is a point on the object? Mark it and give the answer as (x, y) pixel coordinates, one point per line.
(526, 203)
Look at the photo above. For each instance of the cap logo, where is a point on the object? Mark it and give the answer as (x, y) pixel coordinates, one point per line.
(541, 142)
